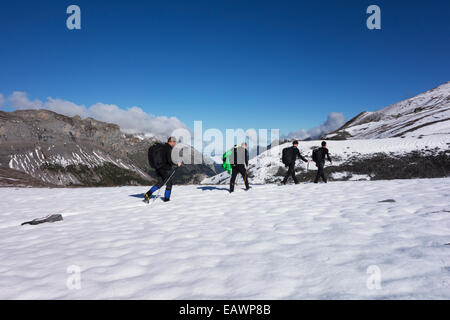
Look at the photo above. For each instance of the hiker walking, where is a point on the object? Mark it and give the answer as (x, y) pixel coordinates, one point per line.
(160, 158)
(290, 155)
(319, 156)
(238, 160)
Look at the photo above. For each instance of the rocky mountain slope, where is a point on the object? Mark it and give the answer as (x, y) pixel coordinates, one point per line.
(425, 114)
(43, 148)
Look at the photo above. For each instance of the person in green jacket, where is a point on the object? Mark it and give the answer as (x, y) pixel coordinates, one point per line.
(226, 161)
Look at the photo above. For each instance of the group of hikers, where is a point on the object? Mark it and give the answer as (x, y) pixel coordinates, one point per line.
(235, 161)
(319, 156)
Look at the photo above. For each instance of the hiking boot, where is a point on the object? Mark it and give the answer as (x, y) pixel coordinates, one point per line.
(166, 199)
(147, 197)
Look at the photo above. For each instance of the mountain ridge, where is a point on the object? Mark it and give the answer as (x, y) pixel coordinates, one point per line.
(57, 150)
(423, 114)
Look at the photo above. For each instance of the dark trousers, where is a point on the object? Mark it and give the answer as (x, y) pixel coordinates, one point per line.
(240, 168)
(163, 175)
(291, 173)
(320, 172)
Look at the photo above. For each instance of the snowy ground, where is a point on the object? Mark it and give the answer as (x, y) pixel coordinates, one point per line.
(295, 242)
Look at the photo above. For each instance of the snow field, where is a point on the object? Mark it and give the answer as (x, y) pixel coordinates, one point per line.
(302, 241)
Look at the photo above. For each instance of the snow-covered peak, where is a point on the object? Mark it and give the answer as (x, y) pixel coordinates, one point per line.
(425, 114)
(426, 99)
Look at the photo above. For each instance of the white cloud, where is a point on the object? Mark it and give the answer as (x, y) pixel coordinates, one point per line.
(131, 120)
(299, 134)
(135, 120)
(334, 121)
(65, 107)
(2, 100)
(19, 100)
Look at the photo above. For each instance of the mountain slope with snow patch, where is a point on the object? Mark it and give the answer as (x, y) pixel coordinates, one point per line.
(54, 149)
(425, 114)
(267, 167)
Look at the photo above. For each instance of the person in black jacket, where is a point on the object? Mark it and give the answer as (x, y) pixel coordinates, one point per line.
(322, 153)
(164, 171)
(239, 164)
(293, 153)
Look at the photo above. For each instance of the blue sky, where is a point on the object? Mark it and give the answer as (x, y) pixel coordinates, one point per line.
(233, 64)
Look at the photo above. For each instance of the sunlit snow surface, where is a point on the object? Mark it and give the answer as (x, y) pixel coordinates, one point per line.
(295, 242)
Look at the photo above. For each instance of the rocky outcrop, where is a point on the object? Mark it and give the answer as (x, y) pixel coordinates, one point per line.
(53, 149)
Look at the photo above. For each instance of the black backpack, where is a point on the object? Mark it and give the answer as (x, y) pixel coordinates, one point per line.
(315, 155)
(156, 156)
(287, 156)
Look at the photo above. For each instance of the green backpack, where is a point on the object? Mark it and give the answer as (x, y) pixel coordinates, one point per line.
(226, 161)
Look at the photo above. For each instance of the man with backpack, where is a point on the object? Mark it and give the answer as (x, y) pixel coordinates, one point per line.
(160, 158)
(237, 158)
(319, 156)
(289, 157)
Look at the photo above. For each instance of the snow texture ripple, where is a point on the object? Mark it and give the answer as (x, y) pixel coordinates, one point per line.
(296, 242)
